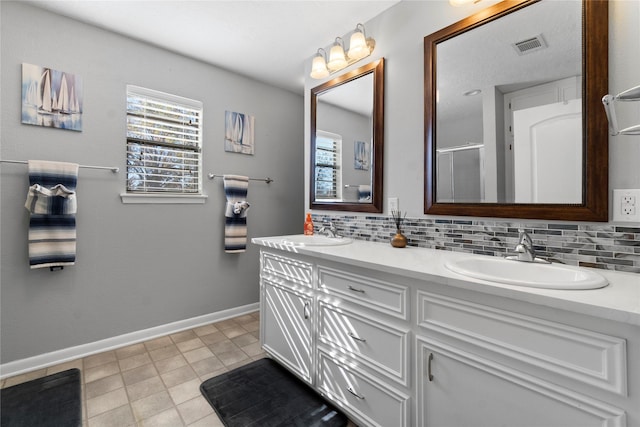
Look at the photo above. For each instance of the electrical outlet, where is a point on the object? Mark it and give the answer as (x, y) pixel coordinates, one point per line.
(625, 205)
(392, 204)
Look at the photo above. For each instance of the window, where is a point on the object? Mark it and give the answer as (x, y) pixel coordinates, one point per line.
(328, 174)
(164, 142)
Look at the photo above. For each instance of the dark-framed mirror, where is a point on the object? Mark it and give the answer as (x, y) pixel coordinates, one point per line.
(505, 89)
(347, 141)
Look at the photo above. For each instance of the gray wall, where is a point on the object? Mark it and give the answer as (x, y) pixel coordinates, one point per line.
(399, 34)
(138, 266)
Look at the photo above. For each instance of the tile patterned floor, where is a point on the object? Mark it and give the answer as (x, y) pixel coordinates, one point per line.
(157, 382)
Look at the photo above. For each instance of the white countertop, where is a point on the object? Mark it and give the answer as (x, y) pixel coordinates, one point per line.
(619, 301)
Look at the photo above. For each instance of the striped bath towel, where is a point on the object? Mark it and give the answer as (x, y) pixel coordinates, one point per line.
(235, 216)
(364, 193)
(51, 202)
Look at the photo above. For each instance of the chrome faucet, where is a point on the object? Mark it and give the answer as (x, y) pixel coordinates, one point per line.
(328, 230)
(524, 249)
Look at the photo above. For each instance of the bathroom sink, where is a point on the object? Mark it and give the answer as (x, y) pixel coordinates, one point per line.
(315, 240)
(529, 274)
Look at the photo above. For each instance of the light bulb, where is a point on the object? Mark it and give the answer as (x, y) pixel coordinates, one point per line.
(358, 48)
(319, 67)
(337, 61)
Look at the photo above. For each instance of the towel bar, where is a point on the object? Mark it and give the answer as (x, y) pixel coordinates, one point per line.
(632, 94)
(24, 162)
(267, 179)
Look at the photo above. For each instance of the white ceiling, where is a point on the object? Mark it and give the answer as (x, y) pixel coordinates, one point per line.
(263, 39)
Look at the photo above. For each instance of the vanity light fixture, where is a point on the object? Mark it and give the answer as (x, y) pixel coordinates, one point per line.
(359, 47)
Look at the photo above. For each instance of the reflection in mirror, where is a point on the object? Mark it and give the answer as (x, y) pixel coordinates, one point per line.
(510, 124)
(347, 140)
(344, 133)
(501, 128)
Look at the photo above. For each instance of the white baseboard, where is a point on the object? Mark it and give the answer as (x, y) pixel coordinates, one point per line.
(53, 358)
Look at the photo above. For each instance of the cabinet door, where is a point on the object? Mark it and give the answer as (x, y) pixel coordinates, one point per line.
(286, 328)
(457, 388)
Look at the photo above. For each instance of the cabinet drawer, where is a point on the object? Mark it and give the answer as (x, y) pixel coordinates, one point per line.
(276, 267)
(589, 357)
(372, 293)
(381, 347)
(373, 402)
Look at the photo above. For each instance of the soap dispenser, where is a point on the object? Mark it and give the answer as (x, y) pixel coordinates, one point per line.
(308, 225)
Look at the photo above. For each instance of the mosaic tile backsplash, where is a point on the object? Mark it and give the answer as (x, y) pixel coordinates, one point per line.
(606, 246)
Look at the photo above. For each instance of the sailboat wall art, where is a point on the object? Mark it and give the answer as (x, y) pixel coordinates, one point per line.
(361, 155)
(238, 132)
(51, 98)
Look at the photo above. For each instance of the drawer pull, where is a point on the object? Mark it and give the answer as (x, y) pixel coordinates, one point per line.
(351, 288)
(429, 374)
(305, 310)
(355, 337)
(350, 390)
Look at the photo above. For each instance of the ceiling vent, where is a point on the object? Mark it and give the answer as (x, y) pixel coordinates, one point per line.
(530, 45)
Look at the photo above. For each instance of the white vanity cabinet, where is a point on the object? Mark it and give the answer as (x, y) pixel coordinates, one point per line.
(348, 335)
(468, 390)
(396, 348)
(506, 368)
(287, 308)
(363, 345)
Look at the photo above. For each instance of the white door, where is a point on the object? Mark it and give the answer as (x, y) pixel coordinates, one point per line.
(547, 153)
(548, 93)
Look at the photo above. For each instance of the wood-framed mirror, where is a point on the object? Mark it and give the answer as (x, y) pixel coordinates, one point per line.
(492, 159)
(347, 141)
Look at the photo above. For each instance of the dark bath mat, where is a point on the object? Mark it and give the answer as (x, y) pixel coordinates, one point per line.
(51, 401)
(263, 394)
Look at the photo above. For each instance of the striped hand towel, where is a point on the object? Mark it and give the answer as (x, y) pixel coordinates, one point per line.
(58, 200)
(51, 202)
(235, 224)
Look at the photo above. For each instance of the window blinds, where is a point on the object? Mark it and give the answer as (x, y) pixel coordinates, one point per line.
(164, 140)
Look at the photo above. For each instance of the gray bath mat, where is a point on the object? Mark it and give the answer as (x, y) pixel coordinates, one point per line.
(51, 401)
